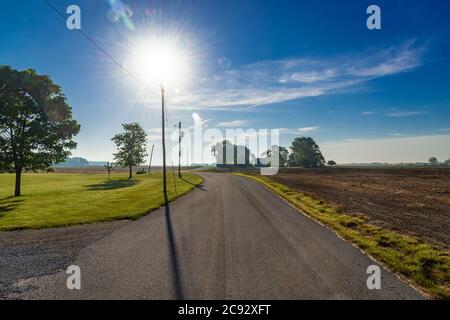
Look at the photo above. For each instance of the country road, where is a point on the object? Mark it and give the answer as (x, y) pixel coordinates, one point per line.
(229, 238)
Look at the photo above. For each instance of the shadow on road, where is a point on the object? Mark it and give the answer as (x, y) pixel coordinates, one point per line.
(177, 287)
(198, 186)
(112, 184)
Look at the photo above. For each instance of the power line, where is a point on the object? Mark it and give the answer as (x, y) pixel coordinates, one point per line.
(106, 53)
(114, 60)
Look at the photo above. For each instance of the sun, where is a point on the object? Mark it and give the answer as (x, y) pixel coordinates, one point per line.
(158, 61)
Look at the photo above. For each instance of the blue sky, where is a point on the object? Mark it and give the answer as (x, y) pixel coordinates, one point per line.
(305, 67)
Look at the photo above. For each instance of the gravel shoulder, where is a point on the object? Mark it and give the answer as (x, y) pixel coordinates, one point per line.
(29, 254)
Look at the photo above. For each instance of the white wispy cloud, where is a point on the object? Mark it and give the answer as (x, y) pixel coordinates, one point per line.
(154, 137)
(233, 124)
(309, 77)
(405, 113)
(351, 140)
(368, 113)
(397, 134)
(296, 131)
(444, 130)
(389, 61)
(275, 81)
(307, 129)
(154, 134)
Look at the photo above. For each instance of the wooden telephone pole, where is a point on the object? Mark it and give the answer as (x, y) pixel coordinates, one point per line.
(180, 135)
(151, 156)
(163, 145)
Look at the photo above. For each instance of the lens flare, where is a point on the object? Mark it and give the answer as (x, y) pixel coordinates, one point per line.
(158, 61)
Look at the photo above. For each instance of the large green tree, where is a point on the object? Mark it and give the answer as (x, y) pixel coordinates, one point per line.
(283, 154)
(131, 146)
(331, 163)
(229, 154)
(433, 161)
(36, 125)
(305, 153)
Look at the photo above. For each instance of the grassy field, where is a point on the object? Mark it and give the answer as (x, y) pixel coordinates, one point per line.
(62, 199)
(427, 265)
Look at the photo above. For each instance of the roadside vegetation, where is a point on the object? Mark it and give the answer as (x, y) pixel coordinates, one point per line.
(36, 124)
(426, 265)
(37, 133)
(131, 147)
(62, 199)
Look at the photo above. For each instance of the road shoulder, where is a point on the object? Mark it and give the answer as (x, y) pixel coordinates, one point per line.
(421, 265)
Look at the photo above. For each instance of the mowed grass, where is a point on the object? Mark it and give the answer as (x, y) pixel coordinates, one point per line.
(427, 265)
(62, 199)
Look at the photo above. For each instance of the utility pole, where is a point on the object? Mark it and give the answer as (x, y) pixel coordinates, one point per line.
(163, 144)
(151, 156)
(187, 158)
(179, 149)
(174, 180)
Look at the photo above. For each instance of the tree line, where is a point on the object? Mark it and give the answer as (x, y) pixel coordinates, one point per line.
(37, 131)
(304, 152)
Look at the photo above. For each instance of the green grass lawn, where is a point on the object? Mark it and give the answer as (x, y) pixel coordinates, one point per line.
(62, 199)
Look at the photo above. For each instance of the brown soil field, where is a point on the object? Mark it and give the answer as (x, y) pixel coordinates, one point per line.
(413, 201)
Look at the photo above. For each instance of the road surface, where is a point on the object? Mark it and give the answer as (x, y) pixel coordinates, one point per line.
(230, 238)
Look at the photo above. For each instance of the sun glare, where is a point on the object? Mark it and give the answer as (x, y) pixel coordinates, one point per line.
(158, 61)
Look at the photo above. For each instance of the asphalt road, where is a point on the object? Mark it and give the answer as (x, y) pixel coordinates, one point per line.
(230, 238)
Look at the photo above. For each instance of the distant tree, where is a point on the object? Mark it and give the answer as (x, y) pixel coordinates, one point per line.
(36, 125)
(282, 152)
(73, 162)
(331, 163)
(219, 151)
(109, 166)
(228, 154)
(78, 161)
(433, 161)
(305, 153)
(131, 146)
(447, 162)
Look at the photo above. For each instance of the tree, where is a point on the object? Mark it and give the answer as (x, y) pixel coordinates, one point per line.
(131, 146)
(331, 163)
(305, 153)
(433, 161)
(282, 152)
(447, 162)
(36, 125)
(228, 154)
(109, 166)
(73, 162)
